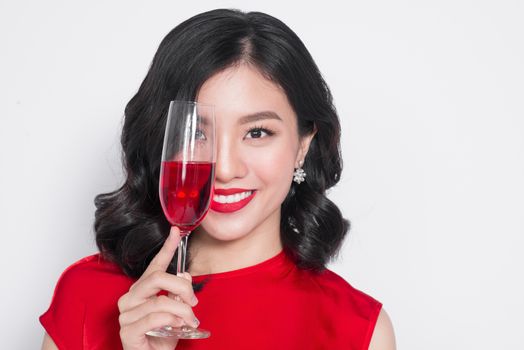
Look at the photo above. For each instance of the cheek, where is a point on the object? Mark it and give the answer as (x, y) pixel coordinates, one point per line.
(273, 166)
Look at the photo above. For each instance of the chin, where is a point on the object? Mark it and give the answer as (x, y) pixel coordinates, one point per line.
(223, 232)
(252, 220)
(224, 236)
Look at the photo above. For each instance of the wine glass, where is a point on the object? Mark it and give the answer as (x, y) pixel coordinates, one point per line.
(186, 180)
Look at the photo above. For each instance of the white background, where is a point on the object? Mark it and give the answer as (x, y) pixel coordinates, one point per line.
(430, 94)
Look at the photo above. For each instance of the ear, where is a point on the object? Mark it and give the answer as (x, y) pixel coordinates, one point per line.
(305, 141)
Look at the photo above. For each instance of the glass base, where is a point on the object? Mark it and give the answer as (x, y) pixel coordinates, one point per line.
(184, 332)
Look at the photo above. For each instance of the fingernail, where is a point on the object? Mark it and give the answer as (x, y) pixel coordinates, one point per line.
(194, 300)
(196, 322)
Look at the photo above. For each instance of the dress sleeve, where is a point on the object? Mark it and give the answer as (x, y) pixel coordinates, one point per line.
(64, 320)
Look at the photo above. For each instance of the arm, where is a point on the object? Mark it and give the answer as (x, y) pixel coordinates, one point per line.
(48, 343)
(383, 337)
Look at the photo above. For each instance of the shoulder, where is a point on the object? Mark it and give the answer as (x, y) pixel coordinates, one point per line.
(90, 279)
(358, 311)
(91, 286)
(85, 266)
(339, 288)
(87, 272)
(383, 336)
(92, 264)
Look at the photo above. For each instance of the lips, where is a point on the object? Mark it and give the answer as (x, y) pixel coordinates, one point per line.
(231, 199)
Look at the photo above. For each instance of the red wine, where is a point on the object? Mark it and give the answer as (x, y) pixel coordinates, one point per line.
(185, 192)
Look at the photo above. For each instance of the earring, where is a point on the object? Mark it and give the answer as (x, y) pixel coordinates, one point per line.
(299, 174)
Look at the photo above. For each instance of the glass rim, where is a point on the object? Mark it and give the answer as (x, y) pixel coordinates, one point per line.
(193, 103)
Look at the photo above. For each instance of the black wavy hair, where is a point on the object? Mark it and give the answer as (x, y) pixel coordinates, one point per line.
(130, 226)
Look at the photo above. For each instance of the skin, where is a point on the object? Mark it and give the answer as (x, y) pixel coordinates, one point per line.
(247, 157)
(383, 335)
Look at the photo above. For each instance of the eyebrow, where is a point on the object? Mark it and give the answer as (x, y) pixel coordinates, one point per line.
(258, 116)
(203, 121)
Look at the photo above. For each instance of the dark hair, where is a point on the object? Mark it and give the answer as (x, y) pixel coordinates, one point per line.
(129, 223)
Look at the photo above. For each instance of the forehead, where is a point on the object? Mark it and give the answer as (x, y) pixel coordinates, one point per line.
(242, 90)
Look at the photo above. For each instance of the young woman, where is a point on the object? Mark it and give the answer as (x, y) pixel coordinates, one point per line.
(257, 276)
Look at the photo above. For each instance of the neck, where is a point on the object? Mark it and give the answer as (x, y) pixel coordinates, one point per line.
(210, 255)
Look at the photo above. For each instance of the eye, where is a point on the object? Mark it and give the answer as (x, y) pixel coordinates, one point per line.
(199, 135)
(258, 132)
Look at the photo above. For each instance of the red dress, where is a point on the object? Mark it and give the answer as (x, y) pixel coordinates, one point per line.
(271, 305)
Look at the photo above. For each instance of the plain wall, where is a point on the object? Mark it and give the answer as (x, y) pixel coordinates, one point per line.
(430, 96)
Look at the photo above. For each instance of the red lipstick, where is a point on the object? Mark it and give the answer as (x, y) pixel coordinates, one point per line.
(230, 207)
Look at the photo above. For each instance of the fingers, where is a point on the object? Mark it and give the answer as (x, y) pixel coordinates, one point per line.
(187, 276)
(138, 329)
(155, 278)
(149, 286)
(141, 309)
(161, 304)
(163, 258)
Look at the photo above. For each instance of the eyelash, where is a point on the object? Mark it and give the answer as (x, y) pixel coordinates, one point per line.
(262, 129)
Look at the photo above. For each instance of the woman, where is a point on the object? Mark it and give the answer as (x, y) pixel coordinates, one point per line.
(258, 270)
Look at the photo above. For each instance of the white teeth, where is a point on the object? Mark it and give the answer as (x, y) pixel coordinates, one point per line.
(233, 198)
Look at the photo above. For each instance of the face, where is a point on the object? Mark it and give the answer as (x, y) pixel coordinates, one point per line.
(258, 148)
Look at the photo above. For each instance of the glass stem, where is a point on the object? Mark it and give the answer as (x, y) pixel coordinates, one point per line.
(182, 246)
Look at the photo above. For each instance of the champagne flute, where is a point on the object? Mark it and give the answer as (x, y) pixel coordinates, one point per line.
(186, 180)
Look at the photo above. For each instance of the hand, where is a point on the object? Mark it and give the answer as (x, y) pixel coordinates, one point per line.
(141, 310)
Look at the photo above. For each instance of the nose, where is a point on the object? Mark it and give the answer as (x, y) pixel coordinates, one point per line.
(230, 164)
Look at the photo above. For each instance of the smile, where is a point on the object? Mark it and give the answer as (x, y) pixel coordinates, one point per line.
(231, 200)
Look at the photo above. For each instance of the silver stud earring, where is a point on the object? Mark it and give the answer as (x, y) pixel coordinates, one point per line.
(299, 174)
